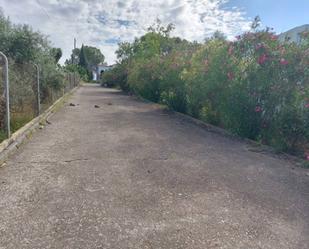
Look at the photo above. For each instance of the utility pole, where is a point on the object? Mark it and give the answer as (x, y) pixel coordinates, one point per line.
(73, 59)
(38, 98)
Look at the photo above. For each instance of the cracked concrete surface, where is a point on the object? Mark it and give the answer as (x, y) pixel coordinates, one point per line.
(129, 175)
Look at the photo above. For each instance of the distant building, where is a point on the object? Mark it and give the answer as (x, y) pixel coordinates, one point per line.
(294, 35)
(99, 69)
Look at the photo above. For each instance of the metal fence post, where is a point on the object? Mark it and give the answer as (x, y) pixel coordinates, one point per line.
(70, 81)
(7, 94)
(38, 97)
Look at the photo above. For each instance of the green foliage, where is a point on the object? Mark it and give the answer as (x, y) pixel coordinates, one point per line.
(255, 86)
(24, 48)
(82, 72)
(153, 64)
(18, 122)
(93, 56)
(74, 60)
(83, 61)
(56, 53)
(115, 77)
(19, 42)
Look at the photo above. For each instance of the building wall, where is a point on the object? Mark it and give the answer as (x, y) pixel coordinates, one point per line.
(294, 34)
(97, 72)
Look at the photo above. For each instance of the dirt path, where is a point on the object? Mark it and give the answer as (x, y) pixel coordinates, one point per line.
(128, 175)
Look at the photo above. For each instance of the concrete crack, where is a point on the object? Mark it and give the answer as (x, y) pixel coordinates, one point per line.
(75, 160)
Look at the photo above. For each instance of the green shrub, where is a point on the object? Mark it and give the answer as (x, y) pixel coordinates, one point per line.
(256, 86)
(116, 77)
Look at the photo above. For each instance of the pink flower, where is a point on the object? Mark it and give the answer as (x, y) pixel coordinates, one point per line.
(258, 109)
(230, 75)
(274, 37)
(307, 105)
(307, 156)
(262, 59)
(284, 62)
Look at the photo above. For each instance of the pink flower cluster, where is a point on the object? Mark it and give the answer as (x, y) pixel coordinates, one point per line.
(258, 109)
(262, 59)
(284, 62)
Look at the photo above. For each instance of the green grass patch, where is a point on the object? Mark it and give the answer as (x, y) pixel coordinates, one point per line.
(18, 121)
(2, 135)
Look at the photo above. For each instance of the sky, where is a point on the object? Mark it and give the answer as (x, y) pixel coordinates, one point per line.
(104, 23)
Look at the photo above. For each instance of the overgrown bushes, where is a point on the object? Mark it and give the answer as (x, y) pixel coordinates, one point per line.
(24, 48)
(256, 86)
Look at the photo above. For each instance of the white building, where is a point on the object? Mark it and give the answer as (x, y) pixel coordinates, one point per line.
(294, 35)
(98, 70)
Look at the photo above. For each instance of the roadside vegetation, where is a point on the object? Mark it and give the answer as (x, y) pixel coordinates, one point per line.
(83, 61)
(24, 48)
(255, 86)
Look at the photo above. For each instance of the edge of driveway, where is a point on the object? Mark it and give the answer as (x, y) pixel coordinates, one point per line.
(10, 145)
(253, 146)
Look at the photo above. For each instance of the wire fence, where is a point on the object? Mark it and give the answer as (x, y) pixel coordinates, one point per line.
(29, 93)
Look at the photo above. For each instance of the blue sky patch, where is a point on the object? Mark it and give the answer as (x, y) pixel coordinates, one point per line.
(112, 41)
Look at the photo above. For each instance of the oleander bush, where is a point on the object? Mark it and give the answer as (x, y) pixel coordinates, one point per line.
(255, 86)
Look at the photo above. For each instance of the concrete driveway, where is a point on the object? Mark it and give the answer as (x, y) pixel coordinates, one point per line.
(129, 175)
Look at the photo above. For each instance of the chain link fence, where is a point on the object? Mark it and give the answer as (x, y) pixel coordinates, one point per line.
(27, 99)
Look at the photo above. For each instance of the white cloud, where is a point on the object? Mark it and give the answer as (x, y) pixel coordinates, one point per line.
(99, 22)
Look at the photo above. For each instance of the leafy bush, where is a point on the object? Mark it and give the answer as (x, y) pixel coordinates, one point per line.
(256, 86)
(25, 48)
(116, 77)
(82, 72)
